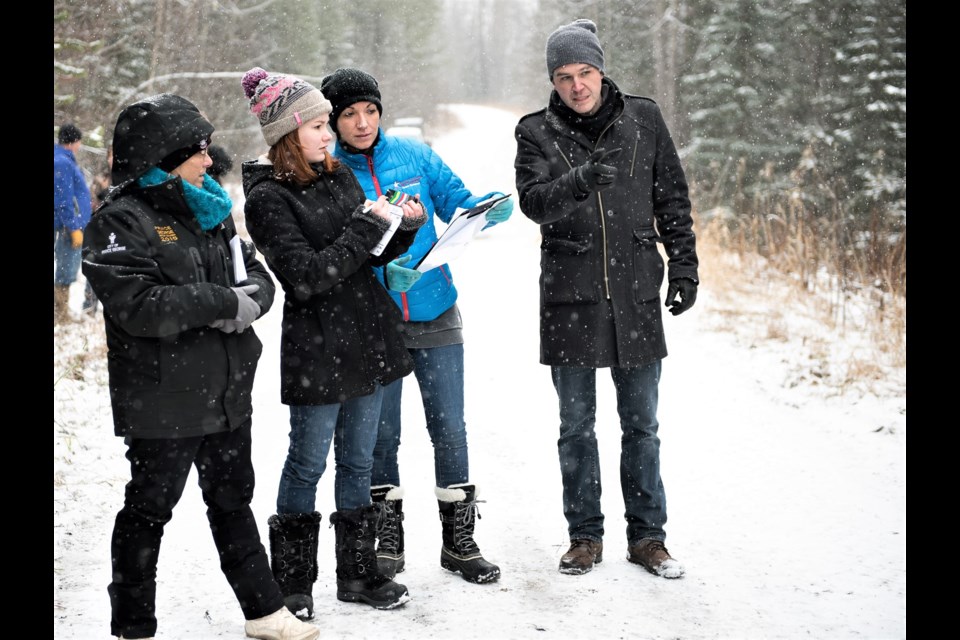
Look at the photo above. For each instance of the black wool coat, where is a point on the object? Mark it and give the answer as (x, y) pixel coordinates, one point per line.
(341, 331)
(601, 270)
(162, 280)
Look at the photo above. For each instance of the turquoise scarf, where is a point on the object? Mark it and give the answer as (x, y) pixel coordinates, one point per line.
(210, 205)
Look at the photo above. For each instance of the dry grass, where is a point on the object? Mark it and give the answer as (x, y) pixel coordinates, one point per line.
(774, 302)
(76, 345)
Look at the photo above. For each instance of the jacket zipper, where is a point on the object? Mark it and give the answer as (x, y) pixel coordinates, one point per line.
(603, 224)
(225, 265)
(376, 183)
(603, 231)
(197, 264)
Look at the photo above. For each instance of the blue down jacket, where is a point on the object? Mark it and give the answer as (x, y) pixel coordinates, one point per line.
(71, 197)
(414, 168)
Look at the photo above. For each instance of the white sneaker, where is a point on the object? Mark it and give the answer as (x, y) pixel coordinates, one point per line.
(280, 625)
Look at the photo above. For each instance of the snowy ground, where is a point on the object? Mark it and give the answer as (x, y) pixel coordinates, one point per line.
(787, 494)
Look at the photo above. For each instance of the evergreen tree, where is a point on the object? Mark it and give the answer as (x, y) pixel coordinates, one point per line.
(739, 93)
(868, 129)
(98, 55)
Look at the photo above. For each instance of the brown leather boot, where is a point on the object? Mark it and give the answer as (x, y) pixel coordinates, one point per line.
(581, 556)
(654, 557)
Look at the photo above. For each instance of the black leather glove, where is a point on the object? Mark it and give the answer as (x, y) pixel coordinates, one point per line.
(687, 289)
(594, 175)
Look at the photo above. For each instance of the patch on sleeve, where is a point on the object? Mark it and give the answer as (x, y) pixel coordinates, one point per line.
(113, 247)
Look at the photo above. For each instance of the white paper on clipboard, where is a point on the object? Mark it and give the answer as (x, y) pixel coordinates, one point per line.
(236, 253)
(458, 234)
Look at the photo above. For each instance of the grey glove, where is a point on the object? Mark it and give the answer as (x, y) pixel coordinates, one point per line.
(247, 308)
(594, 175)
(227, 326)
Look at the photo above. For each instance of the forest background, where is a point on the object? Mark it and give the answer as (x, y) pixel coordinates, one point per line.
(790, 116)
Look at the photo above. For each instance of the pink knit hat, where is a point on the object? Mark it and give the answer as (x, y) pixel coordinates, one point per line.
(282, 103)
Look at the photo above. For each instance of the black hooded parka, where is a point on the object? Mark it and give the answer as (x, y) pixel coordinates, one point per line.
(163, 280)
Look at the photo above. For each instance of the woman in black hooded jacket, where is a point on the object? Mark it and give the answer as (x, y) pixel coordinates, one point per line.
(179, 292)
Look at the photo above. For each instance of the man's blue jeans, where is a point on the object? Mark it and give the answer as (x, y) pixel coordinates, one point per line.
(643, 494)
(66, 259)
(439, 372)
(352, 427)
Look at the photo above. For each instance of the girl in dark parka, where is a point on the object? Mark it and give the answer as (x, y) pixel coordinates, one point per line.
(340, 343)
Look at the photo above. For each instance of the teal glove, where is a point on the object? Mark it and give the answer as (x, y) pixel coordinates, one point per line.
(501, 212)
(399, 278)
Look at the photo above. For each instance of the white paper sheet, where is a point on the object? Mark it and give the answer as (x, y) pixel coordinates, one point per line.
(236, 253)
(458, 234)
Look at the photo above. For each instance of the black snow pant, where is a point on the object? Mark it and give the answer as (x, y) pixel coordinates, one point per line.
(159, 470)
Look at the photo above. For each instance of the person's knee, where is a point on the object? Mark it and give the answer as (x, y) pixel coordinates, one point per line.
(302, 474)
(450, 436)
(154, 513)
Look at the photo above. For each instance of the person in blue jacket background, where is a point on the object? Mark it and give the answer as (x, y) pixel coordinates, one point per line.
(71, 213)
(433, 330)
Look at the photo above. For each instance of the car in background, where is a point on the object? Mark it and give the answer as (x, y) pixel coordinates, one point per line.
(408, 128)
(415, 121)
(406, 132)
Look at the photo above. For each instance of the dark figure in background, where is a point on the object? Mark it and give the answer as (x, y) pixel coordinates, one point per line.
(98, 194)
(222, 163)
(598, 171)
(182, 358)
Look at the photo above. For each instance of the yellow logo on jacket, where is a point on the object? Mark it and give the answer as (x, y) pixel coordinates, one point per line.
(166, 234)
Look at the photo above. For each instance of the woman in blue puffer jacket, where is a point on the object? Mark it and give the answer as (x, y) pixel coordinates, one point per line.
(433, 331)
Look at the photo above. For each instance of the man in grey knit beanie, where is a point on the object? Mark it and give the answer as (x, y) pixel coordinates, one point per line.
(598, 171)
(574, 42)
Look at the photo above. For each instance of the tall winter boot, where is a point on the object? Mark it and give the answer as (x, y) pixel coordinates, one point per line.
(388, 499)
(61, 304)
(358, 578)
(460, 554)
(293, 558)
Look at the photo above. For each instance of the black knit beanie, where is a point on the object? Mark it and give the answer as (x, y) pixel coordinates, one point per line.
(345, 87)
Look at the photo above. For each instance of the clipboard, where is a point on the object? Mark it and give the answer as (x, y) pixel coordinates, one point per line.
(458, 234)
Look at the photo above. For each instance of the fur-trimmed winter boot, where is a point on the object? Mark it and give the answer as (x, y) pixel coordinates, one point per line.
(358, 578)
(388, 499)
(293, 558)
(460, 554)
